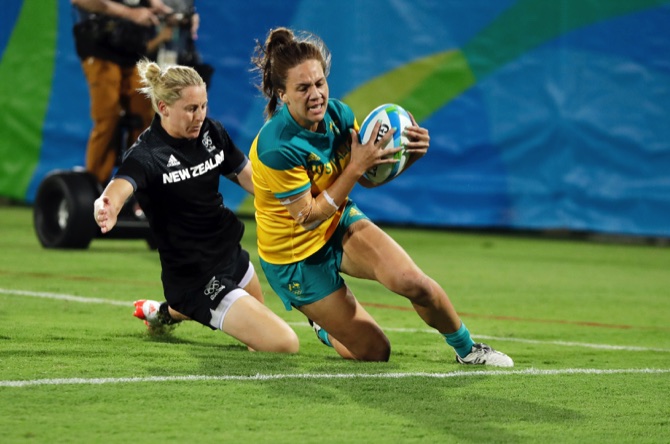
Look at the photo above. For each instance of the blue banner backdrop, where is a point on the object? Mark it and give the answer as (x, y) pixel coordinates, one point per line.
(541, 117)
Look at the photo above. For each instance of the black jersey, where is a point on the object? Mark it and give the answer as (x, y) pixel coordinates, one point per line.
(176, 182)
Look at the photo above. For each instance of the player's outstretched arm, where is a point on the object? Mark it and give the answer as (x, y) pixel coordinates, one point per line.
(244, 180)
(107, 207)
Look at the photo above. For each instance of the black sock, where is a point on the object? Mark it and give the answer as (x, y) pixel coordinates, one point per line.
(164, 315)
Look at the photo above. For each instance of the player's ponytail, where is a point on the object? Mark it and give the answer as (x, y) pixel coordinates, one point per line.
(166, 84)
(283, 50)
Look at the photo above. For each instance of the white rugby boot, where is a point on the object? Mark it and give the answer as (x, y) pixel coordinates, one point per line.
(149, 311)
(482, 354)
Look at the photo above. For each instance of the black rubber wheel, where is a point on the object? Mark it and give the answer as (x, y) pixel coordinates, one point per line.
(63, 209)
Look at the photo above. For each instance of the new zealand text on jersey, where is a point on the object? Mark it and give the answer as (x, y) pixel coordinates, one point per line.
(194, 171)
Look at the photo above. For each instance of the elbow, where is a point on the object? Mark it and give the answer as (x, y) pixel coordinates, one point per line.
(309, 226)
(307, 219)
(308, 223)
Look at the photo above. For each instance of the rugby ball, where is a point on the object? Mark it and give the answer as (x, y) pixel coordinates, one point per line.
(391, 116)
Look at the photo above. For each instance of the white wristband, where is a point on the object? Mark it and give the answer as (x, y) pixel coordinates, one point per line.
(330, 200)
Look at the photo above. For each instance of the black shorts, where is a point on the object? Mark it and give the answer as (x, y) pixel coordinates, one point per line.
(204, 304)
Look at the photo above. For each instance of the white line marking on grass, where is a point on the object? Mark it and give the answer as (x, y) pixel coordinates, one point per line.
(526, 341)
(65, 297)
(260, 377)
(72, 298)
(536, 341)
(576, 344)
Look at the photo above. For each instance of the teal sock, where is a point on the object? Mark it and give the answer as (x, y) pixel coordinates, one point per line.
(323, 335)
(460, 340)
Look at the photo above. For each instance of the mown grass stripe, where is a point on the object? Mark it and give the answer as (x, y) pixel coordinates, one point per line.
(87, 300)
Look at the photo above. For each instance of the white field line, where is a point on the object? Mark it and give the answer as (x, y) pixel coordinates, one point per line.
(536, 341)
(86, 300)
(64, 297)
(271, 377)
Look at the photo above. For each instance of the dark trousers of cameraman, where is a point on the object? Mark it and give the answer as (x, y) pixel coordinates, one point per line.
(111, 85)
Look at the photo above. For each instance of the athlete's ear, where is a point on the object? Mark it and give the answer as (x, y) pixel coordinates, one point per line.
(282, 96)
(162, 108)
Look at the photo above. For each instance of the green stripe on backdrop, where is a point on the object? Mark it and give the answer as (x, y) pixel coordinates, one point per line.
(425, 85)
(531, 23)
(413, 85)
(26, 72)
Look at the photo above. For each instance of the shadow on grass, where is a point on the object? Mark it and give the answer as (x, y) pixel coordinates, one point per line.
(466, 409)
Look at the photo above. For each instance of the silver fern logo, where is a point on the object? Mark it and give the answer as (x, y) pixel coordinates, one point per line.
(207, 142)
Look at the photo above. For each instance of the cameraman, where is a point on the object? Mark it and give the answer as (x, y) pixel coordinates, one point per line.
(181, 49)
(111, 36)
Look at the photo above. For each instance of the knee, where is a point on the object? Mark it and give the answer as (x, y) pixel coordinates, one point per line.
(417, 287)
(378, 352)
(287, 342)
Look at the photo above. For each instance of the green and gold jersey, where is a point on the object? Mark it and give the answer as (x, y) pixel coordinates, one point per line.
(288, 160)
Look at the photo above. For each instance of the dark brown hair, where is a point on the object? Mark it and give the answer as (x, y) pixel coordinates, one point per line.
(283, 49)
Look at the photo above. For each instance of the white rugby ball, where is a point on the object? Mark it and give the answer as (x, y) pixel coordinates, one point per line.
(391, 116)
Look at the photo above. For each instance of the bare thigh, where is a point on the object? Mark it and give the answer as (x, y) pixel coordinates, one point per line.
(254, 289)
(370, 253)
(249, 321)
(258, 327)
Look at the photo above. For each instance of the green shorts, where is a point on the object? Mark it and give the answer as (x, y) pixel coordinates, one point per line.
(314, 278)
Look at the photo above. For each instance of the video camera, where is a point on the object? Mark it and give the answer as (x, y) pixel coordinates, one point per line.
(180, 19)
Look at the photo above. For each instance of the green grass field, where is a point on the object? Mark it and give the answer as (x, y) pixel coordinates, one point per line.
(586, 323)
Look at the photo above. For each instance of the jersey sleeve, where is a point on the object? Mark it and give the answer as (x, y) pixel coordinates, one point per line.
(284, 175)
(133, 168)
(234, 158)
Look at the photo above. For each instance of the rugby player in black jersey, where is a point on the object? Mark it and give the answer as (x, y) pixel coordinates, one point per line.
(173, 170)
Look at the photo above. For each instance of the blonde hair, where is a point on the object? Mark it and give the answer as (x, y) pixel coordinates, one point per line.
(166, 84)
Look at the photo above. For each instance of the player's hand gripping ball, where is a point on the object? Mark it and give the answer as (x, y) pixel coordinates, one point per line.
(391, 116)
